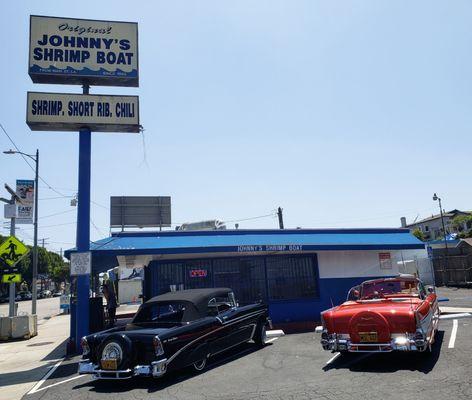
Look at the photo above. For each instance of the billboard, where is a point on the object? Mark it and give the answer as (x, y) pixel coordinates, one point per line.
(70, 112)
(77, 51)
(24, 211)
(140, 211)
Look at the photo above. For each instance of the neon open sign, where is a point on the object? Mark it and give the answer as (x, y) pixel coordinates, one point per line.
(198, 273)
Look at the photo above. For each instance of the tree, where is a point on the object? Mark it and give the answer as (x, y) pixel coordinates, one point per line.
(463, 225)
(419, 234)
(49, 263)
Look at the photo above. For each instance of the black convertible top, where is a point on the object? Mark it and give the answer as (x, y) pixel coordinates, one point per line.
(199, 298)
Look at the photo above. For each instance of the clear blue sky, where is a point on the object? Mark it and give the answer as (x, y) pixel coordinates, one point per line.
(345, 113)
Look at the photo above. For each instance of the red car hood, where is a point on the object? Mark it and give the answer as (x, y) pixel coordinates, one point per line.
(382, 316)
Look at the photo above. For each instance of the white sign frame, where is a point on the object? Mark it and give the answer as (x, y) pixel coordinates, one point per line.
(83, 51)
(47, 111)
(80, 263)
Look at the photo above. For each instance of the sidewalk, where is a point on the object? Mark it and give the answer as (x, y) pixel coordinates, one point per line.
(455, 310)
(24, 362)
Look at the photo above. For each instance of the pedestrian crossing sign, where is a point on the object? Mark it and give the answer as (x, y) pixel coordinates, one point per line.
(11, 278)
(11, 251)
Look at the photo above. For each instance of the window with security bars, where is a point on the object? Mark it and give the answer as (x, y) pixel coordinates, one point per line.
(246, 276)
(291, 277)
(169, 277)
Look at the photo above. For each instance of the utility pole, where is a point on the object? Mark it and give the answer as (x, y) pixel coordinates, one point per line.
(438, 199)
(35, 248)
(281, 218)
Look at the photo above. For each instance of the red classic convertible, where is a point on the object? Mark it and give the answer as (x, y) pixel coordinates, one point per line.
(383, 315)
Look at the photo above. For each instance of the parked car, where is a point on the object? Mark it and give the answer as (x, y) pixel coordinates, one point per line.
(45, 294)
(383, 315)
(25, 295)
(172, 331)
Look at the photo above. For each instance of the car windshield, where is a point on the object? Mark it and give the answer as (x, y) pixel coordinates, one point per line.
(169, 312)
(389, 288)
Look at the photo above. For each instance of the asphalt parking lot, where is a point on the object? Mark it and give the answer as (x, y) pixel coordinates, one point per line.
(293, 367)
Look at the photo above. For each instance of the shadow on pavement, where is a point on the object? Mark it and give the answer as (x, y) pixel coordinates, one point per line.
(172, 378)
(34, 374)
(390, 362)
(57, 352)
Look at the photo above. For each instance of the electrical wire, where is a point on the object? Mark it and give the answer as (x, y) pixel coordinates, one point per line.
(273, 214)
(27, 162)
(58, 213)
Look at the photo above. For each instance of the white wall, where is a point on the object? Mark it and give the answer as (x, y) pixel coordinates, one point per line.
(363, 263)
(129, 291)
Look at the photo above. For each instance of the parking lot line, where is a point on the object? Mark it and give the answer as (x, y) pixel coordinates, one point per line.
(56, 383)
(45, 377)
(452, 340)
(333, 358)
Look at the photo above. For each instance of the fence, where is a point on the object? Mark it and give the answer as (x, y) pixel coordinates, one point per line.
(453, 271)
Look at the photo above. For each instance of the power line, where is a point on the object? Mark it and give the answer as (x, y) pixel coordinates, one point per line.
(100, 205)
(29, 165)
(58, 213)
(273, 214)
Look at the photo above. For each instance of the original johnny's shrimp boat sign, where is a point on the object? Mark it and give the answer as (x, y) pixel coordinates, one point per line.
(78, 51)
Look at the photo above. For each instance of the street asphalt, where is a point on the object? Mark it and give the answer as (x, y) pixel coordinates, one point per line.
(293, 367)
(45, 308)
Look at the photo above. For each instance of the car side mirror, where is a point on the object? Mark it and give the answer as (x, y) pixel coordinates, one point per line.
(431, 289)
(356, 294)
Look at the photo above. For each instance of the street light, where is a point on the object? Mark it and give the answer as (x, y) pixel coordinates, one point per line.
(438, 199)
(35, 158)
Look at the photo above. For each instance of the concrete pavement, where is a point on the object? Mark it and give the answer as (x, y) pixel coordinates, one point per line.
(24, 362)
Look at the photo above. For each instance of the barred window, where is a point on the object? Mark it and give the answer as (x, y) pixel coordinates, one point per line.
(291, 277)
(246, 276)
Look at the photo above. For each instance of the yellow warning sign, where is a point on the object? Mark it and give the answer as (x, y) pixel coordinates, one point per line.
(11, 251)
(11, 278)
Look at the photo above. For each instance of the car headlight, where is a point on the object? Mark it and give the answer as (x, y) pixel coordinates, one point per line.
(85, 346)
(158, 348)
(112, 351)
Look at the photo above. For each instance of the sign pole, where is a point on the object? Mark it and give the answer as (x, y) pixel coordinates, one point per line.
(11, 312)
(83, 229)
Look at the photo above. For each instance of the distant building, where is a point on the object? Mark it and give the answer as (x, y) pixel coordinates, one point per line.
(432, 228)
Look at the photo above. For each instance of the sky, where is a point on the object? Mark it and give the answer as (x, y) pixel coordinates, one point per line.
(343, 113)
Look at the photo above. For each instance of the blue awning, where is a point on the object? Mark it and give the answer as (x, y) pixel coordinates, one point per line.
(248, 241)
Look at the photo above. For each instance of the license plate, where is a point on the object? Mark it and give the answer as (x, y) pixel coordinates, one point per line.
(368, 337)
(110, 364)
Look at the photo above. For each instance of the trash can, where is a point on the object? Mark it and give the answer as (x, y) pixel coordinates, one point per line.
(96, 315)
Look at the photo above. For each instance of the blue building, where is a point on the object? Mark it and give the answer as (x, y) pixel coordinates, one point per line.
(298, 272)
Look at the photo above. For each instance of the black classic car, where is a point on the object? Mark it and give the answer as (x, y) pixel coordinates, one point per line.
(171, 331)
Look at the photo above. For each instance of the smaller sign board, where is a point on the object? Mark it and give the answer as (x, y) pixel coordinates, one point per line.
(11, 278)
(25, 190)
(9, 211)
(385, 260)
(71, 112)
(81, 263)
(11, 251)
(140, 211)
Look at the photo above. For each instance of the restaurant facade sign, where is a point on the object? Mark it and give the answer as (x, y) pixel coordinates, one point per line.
(78, 51)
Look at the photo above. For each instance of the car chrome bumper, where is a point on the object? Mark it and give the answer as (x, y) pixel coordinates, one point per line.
(332, 342)
(156, 370)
